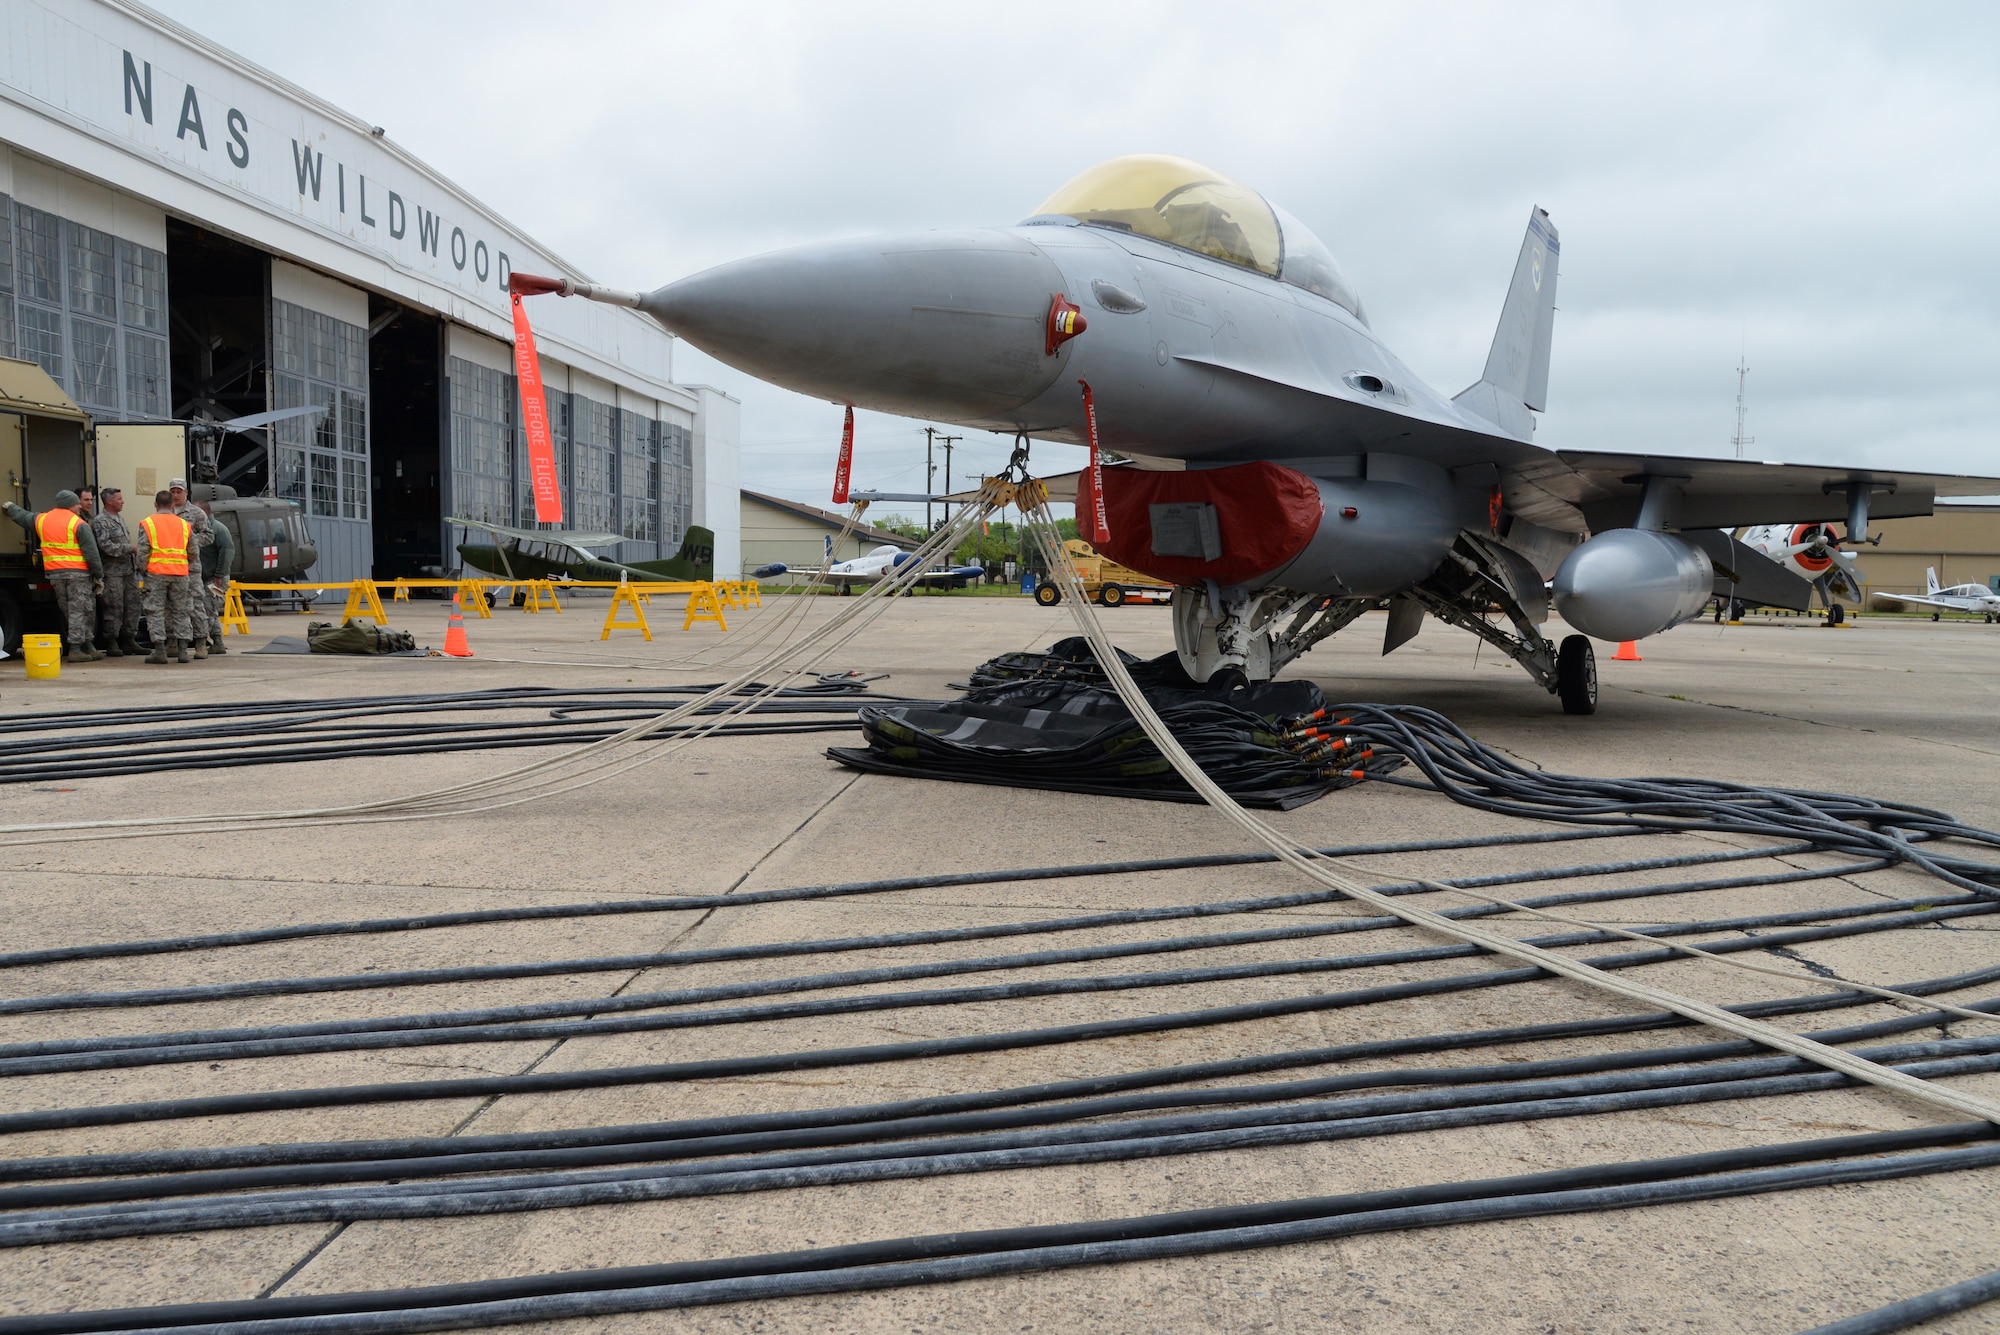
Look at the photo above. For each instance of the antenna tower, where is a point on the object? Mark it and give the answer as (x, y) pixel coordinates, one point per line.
(1739, 440)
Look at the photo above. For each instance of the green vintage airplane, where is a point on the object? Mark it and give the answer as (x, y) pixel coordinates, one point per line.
(522, 553)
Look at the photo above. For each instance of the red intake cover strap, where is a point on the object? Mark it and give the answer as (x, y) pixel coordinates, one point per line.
(1266, 515)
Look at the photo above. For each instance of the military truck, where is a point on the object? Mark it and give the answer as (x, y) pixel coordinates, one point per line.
(45, 447)
(49, 444)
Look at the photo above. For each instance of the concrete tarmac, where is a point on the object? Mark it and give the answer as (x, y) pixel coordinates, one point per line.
(1907, 710)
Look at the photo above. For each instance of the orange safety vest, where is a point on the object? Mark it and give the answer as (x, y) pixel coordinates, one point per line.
(166, 543)
(60, 549)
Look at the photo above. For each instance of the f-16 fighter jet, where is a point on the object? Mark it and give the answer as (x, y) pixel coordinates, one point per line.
(1294, 473)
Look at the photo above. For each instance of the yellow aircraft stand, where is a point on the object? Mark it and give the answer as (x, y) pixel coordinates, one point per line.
(362, 599)
(540, 594)
(626, 596)
(471, 595)
(233, 616)
(752, 593)
(704, 605)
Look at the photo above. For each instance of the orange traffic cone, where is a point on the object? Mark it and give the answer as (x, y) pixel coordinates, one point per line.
(454, 635)
(1628, 652)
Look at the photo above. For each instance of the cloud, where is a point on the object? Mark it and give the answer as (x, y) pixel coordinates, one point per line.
(1815, 185)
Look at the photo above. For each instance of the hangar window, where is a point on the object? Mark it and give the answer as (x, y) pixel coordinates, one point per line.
(638, 477)
(482, 442)
(142, 287)
(6, 277)
(1179, 202)
(145, 374)
(589, 504)
(94, 349)
(93, 265)
(38, 259)
(322, 459)
(40, 338)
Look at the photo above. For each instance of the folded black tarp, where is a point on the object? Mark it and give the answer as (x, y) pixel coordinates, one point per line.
(1053, 721)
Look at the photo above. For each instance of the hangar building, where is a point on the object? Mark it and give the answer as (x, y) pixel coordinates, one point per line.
(187, 235)
(775, 529)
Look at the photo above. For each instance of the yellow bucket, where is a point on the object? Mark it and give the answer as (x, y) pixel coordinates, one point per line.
(44, 655)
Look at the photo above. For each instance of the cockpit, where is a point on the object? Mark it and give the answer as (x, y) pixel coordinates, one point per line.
(1184, 204)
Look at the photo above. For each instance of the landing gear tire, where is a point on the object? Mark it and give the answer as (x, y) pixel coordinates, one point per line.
(1048, 595)
(1229, 679)
(1835, 615)
(1576, 675)
(847, 590)
(1934, 616)
(1111, 595)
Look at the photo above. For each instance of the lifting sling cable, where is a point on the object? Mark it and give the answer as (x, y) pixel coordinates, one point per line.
(1328, 871)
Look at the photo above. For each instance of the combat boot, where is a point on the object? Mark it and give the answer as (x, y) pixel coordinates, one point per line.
(217, 647)
(111, 649)
(180, 652)
(200, 649)
(128, 644)
(79, 653)
(159, 654)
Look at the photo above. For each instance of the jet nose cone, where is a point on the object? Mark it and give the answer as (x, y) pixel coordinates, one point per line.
(934, 324)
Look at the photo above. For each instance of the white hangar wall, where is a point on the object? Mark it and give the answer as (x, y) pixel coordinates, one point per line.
(117, 125)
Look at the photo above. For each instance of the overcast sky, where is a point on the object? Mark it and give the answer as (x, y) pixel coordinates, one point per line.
(1817, 185)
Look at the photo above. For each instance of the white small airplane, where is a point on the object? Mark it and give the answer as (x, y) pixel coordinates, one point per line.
(1958, 598)
(876, 565)
(1812, 552)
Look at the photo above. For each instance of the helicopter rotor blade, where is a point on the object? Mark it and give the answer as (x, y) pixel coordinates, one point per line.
(264, 419)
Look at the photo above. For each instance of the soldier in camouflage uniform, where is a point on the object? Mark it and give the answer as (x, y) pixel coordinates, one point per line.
(71, 565)
(167, 600)
(216, 560)
(118, 606)
(204, 535)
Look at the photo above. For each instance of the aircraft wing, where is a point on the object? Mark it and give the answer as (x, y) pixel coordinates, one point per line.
(950, 576)
(1604, 489)
(819, 574)
(565, 537)
(1957, 603)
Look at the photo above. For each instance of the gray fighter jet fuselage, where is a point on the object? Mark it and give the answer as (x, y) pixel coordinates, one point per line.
(1293, 472)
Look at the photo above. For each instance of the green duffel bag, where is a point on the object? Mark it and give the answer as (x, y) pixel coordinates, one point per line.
(357, 637)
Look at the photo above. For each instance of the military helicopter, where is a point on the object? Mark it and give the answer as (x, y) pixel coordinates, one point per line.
(273, 545)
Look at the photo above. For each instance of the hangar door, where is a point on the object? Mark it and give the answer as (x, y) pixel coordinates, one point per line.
(319, 358)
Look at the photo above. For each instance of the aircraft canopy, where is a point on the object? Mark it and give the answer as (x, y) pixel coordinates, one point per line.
(1185, 204)
(1179, 202)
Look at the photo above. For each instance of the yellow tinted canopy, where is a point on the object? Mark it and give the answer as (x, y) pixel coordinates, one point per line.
(1179, 202)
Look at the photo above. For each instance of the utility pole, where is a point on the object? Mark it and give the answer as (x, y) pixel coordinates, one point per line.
(948, 442)
(930, 475)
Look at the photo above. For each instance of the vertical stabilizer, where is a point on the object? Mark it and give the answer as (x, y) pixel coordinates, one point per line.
(1930, 581)
(1516, 379)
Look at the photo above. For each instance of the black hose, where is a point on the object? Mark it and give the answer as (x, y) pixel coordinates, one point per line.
(1916, 1311)
(448, 1029)
(1533, 1089)
(207, 992)
(1478, 776)
(228, 736)
(937, 1258)
(819, 1058)
(683, 903)
(1085, 1088)
(1204, 1133)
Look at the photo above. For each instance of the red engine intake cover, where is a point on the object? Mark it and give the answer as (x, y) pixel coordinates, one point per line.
(1266, 515)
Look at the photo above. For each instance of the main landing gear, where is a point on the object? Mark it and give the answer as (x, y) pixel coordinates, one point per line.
(1576, 675)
